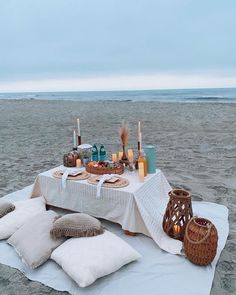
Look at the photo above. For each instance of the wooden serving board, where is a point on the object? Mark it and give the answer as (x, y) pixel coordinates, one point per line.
(93, 169)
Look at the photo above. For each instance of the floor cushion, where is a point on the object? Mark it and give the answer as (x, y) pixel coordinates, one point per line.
(23, 211)
(87, 259)
(5, 208)
(76, 225)
(33, 242)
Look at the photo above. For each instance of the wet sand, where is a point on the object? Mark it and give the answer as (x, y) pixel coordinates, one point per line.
(196, 149)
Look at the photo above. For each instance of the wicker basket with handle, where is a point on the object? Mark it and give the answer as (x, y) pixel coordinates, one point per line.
(200, 241)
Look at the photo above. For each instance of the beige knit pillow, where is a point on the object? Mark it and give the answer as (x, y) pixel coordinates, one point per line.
(32, 240)
(6, 207)
(76, 225)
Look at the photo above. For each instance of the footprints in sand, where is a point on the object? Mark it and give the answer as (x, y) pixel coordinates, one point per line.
(219, 189)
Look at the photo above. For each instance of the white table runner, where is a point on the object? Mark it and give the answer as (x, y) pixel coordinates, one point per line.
(138, 207)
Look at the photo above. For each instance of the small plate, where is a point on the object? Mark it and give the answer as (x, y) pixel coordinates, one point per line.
(112, 180)
(74, 172)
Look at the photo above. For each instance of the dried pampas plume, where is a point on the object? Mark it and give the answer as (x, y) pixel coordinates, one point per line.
(124, 133)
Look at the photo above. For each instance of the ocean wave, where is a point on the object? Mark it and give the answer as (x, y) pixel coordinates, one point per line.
(178, 95)
(208, 98)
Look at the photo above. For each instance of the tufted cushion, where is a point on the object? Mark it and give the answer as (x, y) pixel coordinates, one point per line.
(76, 225)
(5, 207)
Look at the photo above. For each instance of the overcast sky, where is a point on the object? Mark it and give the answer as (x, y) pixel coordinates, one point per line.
(116, 44)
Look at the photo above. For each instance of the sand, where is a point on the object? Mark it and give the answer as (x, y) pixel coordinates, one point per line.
(196, 149)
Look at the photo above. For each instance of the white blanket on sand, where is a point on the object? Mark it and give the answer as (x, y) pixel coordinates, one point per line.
(156, 273)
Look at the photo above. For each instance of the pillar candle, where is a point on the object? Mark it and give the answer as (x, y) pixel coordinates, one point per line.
(130, 155)
(176, 229)
(114, 157)
(78, 163)
(141, 171)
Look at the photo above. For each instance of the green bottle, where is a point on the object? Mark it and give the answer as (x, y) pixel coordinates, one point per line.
(94, 153)
(102, 153)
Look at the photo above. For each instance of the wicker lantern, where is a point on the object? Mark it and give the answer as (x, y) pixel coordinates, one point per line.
(69, 160)
(178, 213)
(200, 241)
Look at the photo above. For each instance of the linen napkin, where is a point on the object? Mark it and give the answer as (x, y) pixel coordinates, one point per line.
(67, 172)
(103, 178)
(64, 177)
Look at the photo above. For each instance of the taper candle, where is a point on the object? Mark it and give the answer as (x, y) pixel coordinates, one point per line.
(78, 125)
(78, 132)
(139, 136)
(139, 129)
(140, 140)
(74, 139)
(130, 155)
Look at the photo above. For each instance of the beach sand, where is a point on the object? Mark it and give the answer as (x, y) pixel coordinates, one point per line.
(196, 149)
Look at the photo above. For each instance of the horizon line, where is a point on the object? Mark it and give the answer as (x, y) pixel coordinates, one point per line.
(120, 83)
(116, 90)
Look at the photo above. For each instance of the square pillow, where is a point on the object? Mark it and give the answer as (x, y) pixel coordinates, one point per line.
(5, 208)
(33, 242)
(87, 259)
(76, 225)
(23, 211)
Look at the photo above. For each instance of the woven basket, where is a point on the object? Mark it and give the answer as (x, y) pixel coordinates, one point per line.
(178, 213)
(200, 241)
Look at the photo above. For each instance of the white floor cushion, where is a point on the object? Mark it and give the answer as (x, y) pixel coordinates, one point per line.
(11, 222)
(89, 258)
(33, 241)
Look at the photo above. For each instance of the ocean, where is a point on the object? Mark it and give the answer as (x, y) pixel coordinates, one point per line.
(209, 95)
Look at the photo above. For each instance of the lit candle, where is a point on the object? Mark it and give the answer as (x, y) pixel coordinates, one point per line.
(130, 155)
(176, 229)
(141, 171)
(74, 139)
(120, 155)
(114, 157)
(78, 163)
(78, 124)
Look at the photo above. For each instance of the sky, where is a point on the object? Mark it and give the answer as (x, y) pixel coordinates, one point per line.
(56, 45)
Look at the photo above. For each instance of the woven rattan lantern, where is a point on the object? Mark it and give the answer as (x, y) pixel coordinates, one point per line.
(178, 213)
(200, 241)
(69, 160)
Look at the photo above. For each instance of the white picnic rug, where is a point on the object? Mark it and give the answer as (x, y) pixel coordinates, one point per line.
(156, 273)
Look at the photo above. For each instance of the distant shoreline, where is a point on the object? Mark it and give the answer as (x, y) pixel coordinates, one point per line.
(128, 90)
(205, 95)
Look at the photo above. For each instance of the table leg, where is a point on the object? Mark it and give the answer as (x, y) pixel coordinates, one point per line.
(129, 233)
